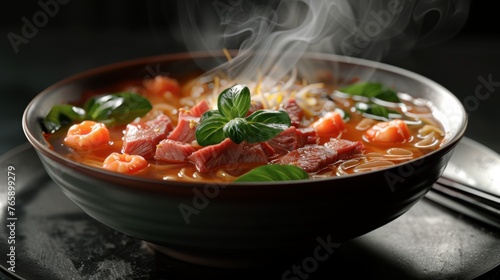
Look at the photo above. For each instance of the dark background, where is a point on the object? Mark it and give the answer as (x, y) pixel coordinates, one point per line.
(87, 34)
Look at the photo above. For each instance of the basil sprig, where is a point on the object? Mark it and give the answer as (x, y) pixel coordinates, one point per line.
(229, 120)
(111, 109)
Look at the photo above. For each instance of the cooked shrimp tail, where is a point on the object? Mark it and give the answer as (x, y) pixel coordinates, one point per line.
(125, 163)
(87, 135)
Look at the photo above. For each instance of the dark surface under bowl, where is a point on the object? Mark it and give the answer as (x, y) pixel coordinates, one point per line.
(240, 224)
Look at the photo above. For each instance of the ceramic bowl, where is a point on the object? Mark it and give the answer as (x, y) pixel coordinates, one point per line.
(245, 224)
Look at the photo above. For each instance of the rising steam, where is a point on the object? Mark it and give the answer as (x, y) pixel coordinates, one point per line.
(372, 30)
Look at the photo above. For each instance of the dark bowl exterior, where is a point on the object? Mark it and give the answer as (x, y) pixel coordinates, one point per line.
(212, 223)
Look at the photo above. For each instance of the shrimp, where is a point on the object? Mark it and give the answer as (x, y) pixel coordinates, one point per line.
(331, 124)
(125, 163)
(395, 131)
(161, 85)
(87, 135)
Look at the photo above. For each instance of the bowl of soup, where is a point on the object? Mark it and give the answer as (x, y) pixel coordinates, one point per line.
(220, 171)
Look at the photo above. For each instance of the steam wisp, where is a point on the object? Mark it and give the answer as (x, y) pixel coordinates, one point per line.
(372, 30)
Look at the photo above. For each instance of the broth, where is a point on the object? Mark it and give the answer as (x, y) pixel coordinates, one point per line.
(426, 131)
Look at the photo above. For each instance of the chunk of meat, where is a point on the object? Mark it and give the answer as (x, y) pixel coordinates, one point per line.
(186, 125)
(310, 135)
(294, 111)
(292, 139)
(313, 158)
(229, 155)
(173, 151)
(254, 106)
(198, 109)
(270, 151)
(345, 148)
(141, 138)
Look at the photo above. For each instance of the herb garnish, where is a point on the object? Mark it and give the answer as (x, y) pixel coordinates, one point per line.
(274, 172)
(373, 92)
(229, 120)
(61, 115)
(376, 111)
(117, 108)
(111, 109)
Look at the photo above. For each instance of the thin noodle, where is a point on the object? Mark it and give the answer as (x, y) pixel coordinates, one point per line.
(182, 174)
(93, 163)
(227, 54)
(163, 167)
(221, 174)
(428, 142)
(373, 165)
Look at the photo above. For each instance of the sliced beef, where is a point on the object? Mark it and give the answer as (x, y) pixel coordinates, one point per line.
(173, 151)
(291, 139)
(254, 106)
(313, 158)
(310, 135)
(185, 129)
(270, 151)
(198, 109)
(345, 148)
(294, 111)
(141, 138)
(227, 154)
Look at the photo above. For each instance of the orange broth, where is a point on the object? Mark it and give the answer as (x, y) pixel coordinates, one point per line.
(374, 151)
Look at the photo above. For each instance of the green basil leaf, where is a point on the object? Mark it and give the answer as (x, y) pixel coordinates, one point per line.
(263, 125)
(208, 114)
(60, 115)
(279, 117)
(117, 108)
(210, 131)
(388, 95)
(229, 121)
(234, 102)
(235, 129)
(372, 90)
(273, 172)
(363, 89)
(376, 111)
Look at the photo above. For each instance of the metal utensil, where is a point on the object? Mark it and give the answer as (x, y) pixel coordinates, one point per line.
(471, 183)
